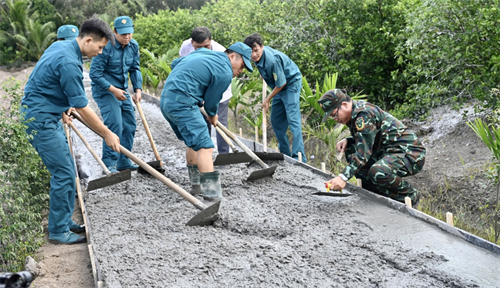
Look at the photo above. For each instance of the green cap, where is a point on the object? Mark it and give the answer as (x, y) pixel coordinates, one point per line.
(124, 25)
(330, 101)
(67, 32)
(246, 53)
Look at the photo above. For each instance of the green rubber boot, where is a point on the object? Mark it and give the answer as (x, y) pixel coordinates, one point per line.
(210, 186)
(194, 178)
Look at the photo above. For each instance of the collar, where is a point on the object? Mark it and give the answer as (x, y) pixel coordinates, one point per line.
(78, 51)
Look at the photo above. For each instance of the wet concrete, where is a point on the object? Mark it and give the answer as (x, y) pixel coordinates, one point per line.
(272, 232)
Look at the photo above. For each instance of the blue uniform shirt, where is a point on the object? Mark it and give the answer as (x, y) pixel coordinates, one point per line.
(277, 69)
(56, 83)
(203, 75)
(113, 65)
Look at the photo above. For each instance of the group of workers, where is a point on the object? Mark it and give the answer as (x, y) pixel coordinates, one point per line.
(380, 150)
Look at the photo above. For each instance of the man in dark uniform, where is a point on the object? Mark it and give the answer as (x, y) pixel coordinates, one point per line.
(109, 73)
(381, 150)
(54, 87)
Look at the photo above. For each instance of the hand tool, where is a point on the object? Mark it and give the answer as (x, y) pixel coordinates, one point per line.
(234, 158)
(208, 214)
(267, 171)
(332, 194)
(77, 180)
(157, 165)
(110, 178)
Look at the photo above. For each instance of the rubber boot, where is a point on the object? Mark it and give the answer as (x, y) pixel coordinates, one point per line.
(210, 186)
(194, 178)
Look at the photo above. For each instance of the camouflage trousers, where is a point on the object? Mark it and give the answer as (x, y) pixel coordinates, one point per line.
(384, 175)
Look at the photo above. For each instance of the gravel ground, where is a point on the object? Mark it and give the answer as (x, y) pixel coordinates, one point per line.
(272, 232)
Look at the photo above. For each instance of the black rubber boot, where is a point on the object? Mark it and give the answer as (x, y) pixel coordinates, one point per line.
(210, 186)
(194, 178)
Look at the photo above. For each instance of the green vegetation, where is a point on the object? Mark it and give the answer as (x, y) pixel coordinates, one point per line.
(23, 189)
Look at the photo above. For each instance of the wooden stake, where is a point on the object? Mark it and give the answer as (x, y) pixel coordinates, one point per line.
(449, 218)
(241, 133)
(147, 91)
(323, 167)
(256, 134)
(408, 201)
(92, 263)
(359, 182)
(300, 156)
(264, 117)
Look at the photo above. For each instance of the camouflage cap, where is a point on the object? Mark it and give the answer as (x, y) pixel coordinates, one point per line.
(331, 100)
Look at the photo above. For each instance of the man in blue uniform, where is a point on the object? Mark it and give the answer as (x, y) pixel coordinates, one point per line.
(199, 80)
(109, 73)
(202, 38)
(284, 77)
(54, 86)
(67, 32)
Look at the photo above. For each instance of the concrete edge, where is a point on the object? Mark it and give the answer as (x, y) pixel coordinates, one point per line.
(471, 238)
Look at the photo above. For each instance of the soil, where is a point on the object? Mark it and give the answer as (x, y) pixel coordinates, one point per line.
(272, 232)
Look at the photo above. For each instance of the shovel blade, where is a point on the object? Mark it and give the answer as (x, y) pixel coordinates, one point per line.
(207, 216)
(155, 164)
(333, 194)
(235, 158)
(258, 174)
(109, 180)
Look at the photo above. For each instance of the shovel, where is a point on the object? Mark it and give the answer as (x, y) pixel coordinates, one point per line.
(157, 165)
(258, 174)
(110, 178)
(208, 214)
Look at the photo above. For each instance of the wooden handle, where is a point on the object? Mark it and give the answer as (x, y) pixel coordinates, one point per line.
(148, 132)
(106, 170)
(264, 118)
(197, 203)
(228, 141)
(243, 146)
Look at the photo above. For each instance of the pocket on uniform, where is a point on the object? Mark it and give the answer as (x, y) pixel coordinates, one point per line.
(47, 138)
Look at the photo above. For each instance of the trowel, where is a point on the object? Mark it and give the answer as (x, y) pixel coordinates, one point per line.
(339, 193)
(208, 214)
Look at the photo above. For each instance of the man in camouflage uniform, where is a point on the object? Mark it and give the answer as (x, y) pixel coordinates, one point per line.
(380, 151)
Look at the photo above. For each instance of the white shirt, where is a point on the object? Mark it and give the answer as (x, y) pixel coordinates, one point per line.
(187, 47)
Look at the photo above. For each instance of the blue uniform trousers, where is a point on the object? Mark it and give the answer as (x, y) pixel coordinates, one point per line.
(119, 116)
(51, 144)
(187, 121)
(285, 112)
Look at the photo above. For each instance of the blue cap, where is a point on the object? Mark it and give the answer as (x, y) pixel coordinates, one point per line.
(245, 51)
(67, 32)
(124, 25)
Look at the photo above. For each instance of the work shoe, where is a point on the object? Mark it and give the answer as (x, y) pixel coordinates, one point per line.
(194, 178)
(73, 227)
(129, 167)
(111, 169)
(210, 186)
(66, 238)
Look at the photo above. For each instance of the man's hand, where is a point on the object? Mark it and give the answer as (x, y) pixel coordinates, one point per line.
(119, 94)
(265, 105)
(66, 116)
(336, 183)
(341, 145)
(213, 120)
(112, 141)
(138, 96)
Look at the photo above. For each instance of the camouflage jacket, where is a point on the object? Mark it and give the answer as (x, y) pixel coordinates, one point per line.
(374, 133)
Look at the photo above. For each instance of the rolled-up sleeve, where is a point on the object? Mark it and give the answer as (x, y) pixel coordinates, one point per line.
(71, 80)
(97, 69)
(135, 71)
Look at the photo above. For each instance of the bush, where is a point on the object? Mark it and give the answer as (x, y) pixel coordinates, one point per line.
(24, 185)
